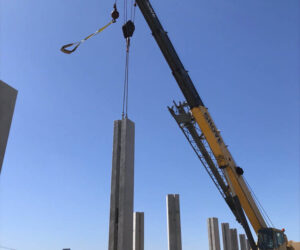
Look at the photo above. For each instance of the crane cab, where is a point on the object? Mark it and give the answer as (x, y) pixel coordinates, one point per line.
(271, 238)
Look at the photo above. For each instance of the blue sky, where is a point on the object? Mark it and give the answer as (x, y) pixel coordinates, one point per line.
(243, 57)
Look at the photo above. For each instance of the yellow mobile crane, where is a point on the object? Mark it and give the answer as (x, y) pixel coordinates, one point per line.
(199, 128)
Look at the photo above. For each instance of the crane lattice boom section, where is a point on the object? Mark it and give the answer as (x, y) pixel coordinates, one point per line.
(194, 136)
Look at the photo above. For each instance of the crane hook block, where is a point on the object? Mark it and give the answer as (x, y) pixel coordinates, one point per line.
(128, 29)
(115, 13)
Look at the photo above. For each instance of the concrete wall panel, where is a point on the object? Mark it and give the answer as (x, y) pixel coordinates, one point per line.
(8, 96)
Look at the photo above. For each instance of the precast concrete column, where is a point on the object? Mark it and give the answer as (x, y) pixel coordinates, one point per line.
(138, 231)
(174, 225)
(8, 96)
(234, 239)
(122, 187)
(247, 244)
(213, 234)
(226, 236)
(243, 242)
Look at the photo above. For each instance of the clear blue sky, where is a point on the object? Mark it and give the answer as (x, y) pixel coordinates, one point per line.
(243, 57)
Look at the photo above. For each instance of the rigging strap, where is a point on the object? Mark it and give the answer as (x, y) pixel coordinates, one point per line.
(114, 15)
(76, 44)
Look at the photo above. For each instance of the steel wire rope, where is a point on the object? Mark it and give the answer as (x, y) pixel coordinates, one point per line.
(125, 11)
(127, 87)
(134, 8)
(126, 65)
(264, 212)
(125, 91)
(126, 77)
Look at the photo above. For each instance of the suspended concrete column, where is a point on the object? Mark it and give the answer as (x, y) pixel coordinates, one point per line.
(8, 96)
(226, 236)
(234, 239)
(122, 187)
(243, 243)
(213, 234)
(174, 225)
(138, 231)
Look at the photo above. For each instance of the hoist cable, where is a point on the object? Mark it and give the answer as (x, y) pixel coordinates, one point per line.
(134, 8)
(127, 65)
(128, 29)
(125, 90)
(264, 213)
(131, 9)
(125, 11)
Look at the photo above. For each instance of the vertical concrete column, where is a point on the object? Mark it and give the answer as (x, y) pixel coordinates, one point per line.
(234, 239)
(138, 231)
(174, 225)
(122, 187)
(8, 96)
(247, 244)
(213, 234)
(243, 245)
(226, 236)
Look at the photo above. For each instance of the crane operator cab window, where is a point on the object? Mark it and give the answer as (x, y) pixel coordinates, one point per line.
(269, 238)
(280, 238)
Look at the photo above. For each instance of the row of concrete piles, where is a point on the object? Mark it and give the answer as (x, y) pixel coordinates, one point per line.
(126, 228)
(229, 236)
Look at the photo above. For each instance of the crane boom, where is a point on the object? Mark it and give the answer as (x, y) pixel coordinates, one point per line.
(202, 116)
(181, 75)
(237, 188)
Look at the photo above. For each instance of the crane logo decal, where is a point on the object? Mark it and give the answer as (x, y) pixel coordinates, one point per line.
(213, 127)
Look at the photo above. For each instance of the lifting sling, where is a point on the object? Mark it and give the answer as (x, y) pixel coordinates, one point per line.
(114, 15)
